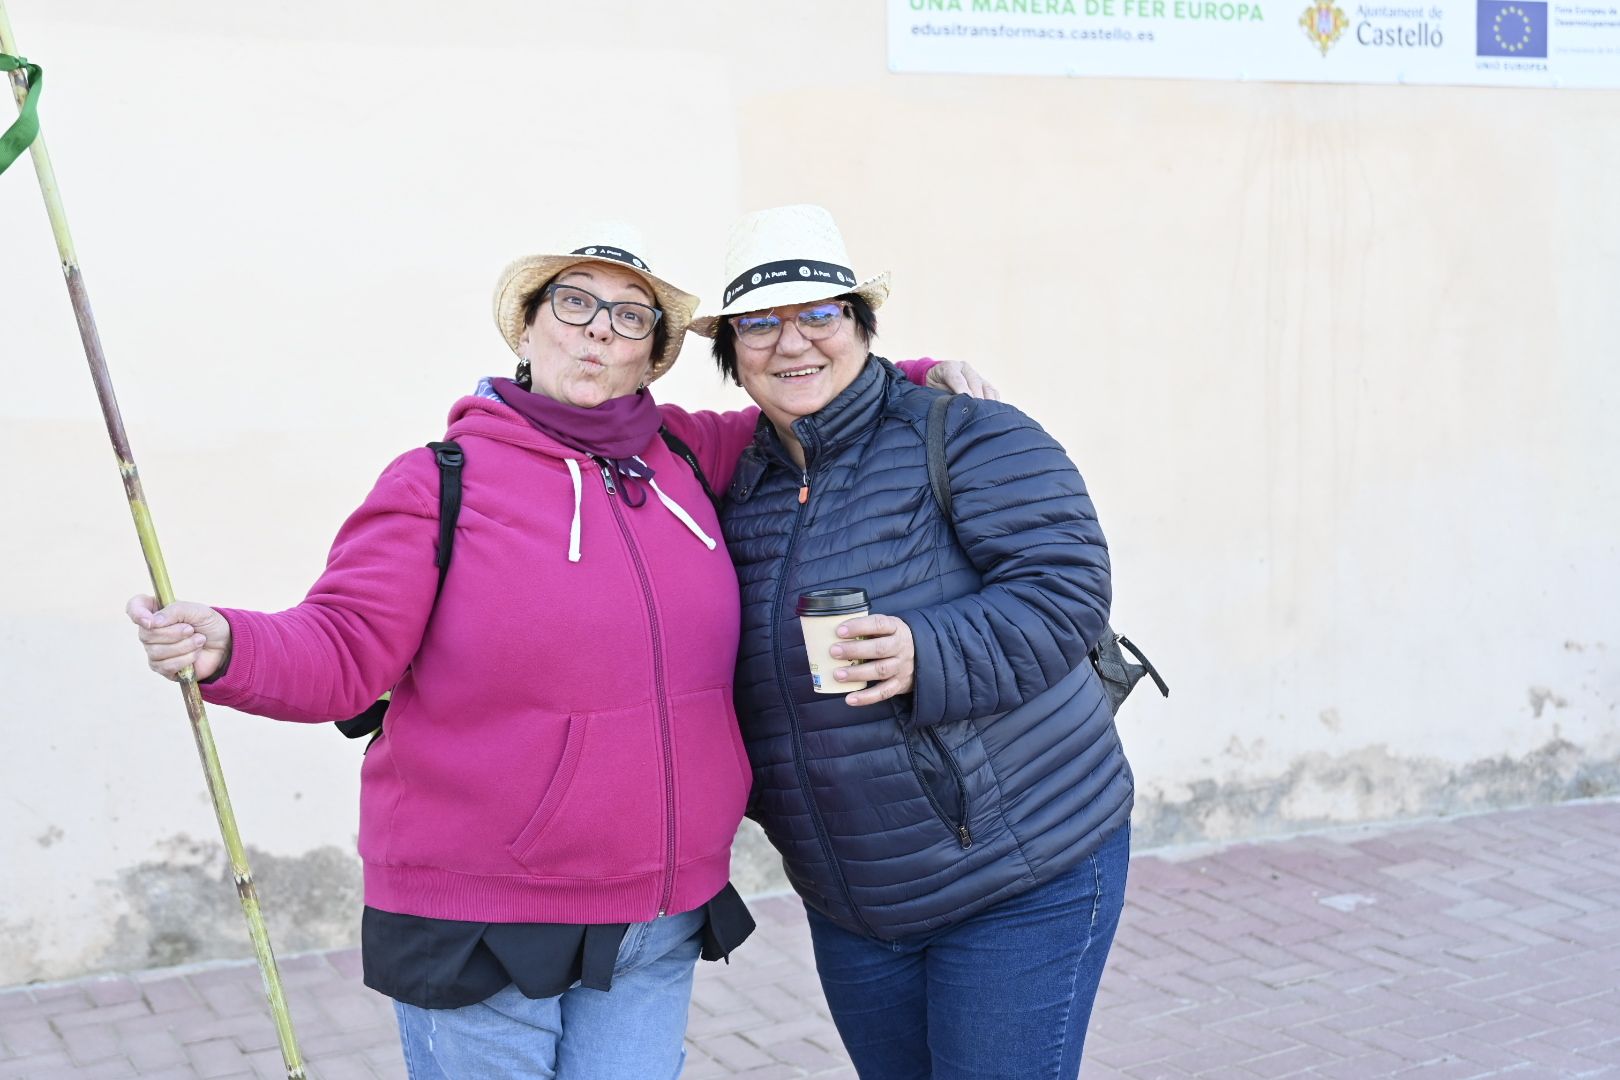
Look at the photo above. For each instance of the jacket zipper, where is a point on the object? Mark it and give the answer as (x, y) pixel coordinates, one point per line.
(659, 694)
(800, 767)
(963, 836)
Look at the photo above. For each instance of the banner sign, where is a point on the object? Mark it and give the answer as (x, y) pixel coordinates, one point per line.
(1550, 43)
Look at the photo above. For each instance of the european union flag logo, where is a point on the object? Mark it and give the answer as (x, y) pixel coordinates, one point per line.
(1512, 28)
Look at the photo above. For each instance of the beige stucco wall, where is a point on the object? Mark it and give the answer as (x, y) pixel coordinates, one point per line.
(1339, 363)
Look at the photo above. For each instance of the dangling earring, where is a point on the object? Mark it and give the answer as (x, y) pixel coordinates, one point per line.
(524, 377)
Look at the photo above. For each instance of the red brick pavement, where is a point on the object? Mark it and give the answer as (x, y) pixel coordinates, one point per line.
(1484, 946)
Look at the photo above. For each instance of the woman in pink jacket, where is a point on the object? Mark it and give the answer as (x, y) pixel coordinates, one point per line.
(546, 849)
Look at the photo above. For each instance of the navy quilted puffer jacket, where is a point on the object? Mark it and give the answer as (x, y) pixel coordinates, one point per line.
(1002, 768)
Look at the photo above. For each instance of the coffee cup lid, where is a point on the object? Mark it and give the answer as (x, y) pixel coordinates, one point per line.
(832, 602)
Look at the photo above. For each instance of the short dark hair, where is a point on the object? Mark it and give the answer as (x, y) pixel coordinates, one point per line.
(724, 348)
(660, 334)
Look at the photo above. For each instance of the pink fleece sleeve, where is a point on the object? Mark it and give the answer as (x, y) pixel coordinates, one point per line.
(718, 439)
(357, 629)
(917, 370)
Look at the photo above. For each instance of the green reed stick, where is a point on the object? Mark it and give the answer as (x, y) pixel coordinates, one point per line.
(160, 575)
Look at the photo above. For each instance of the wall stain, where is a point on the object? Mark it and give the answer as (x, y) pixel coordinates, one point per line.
(1370, 784)
(182, 907)
(1540, 696)
(21, 940)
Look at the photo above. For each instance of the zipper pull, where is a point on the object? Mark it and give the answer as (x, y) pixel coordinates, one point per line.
(607, 478)
(964, 837)
(804, 489)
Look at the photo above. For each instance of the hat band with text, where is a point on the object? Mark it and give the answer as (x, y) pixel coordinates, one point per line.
(778, 273)
(616, 254)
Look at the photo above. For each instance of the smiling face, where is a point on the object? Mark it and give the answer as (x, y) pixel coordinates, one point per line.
(587, 365)
(794, 376)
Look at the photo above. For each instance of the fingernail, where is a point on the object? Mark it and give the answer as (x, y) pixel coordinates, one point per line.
(843, 631)
(837, 650)
(842, 674)
(198, 639)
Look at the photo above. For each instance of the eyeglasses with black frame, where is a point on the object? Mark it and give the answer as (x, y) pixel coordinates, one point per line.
(577, 307)
(815, 323)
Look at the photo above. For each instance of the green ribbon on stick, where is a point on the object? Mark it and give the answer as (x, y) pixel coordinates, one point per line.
(20, 135)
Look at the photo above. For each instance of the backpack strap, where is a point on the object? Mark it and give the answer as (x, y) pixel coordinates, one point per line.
(1126, 644)
(939, 477)
(450, 459)
(1117, 674)
(684, 452)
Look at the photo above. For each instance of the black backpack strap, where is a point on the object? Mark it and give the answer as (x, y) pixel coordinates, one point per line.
(450, 459)
(684, 452)
(358, 727)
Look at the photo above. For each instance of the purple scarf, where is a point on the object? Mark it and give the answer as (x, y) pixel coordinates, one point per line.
(614, 431)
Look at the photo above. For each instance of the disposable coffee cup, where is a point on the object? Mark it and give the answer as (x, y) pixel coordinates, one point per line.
(820, 612)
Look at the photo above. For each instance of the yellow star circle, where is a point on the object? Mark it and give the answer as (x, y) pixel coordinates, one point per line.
(1524, 28)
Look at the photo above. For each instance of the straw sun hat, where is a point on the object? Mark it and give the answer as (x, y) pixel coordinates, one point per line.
(785, 256)
(613, 243)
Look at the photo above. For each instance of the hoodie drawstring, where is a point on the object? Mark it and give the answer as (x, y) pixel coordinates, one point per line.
(680, 512)
(573, 529)
(670, 504)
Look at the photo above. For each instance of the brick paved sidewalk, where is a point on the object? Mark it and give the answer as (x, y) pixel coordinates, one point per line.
(1485, 946)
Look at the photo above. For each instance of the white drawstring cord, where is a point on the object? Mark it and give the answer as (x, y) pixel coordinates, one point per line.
(686, 519)
(573, 529)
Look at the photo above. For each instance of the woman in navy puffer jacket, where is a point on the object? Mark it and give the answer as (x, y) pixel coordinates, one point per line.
(959, 829)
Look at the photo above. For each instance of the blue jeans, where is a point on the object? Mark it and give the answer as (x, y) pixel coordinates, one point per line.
(1006, 993)
(635, 1029)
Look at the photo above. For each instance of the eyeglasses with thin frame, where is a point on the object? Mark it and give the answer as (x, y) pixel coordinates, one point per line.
(577, 307)
(814, 323)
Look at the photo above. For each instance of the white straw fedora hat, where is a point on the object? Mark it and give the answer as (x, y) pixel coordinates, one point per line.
(614, 243)
(784, 256)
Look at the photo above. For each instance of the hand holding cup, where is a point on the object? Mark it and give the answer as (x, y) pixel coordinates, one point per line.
(850, 650)
(879, 653)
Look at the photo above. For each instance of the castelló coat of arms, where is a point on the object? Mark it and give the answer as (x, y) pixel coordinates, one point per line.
(1323, 22)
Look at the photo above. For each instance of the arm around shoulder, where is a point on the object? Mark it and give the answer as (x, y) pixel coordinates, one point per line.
(717, 438)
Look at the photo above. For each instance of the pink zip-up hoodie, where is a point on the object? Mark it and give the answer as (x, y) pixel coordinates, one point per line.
(562, 746)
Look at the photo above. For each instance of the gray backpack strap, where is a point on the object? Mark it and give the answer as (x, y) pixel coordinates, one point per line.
(1118, 675)
(939, 477)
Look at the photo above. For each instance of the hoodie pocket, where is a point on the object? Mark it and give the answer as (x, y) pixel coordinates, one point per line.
(601, 814)
(712, 773)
